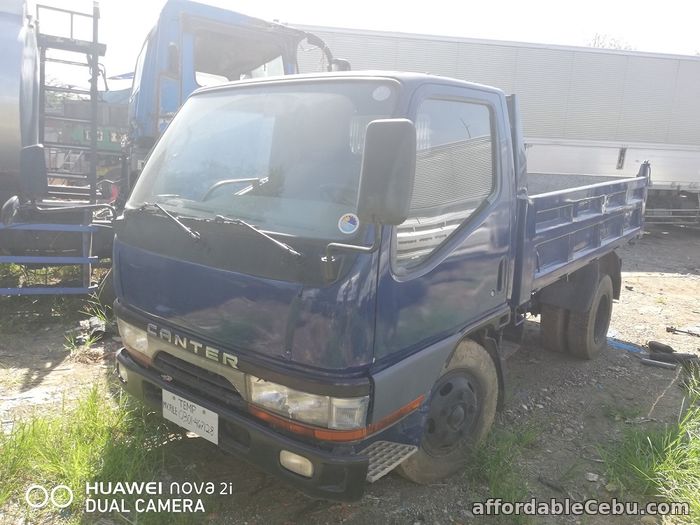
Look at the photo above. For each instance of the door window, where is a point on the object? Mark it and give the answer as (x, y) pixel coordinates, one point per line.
(454, 175)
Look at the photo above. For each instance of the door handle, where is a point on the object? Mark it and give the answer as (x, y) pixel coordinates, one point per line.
(500, 280)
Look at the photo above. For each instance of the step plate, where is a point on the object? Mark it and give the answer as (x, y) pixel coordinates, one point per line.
(385, 456)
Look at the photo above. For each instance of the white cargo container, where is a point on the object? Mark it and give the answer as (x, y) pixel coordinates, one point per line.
(594, 111)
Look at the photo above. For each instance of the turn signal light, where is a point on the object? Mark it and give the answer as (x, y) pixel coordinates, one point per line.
(324, 434)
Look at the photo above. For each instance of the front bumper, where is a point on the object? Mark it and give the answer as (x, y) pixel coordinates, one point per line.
(336, 477)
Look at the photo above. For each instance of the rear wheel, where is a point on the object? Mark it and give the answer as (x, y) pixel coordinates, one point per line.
(588, 331)
(554, 322)
(462, 408)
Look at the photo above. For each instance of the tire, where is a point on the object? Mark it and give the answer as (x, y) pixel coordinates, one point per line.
(461, 411)
(587, 332)
(554, 323)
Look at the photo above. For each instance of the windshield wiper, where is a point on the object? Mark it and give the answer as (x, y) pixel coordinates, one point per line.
(226, 182)
(189, 231)
(227, 220)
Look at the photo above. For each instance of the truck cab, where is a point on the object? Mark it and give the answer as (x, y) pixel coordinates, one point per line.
(194, 45)
(315, 272)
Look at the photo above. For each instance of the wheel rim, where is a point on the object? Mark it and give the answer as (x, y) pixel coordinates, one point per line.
(454, 409)
(602, 319)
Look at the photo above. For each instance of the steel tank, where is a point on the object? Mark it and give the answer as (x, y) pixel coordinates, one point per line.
(19, 88)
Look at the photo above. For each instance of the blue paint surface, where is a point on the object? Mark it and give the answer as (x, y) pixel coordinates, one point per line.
(327, 327)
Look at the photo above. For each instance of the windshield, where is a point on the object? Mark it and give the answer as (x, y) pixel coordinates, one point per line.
(285, 158)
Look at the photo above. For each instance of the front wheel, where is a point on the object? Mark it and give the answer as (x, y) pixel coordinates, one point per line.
(461, 411)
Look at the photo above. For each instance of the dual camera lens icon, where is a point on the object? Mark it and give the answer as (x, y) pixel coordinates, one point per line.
(38, 497)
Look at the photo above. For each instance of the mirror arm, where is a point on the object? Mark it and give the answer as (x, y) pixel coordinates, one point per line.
(341, 247)
(331, 247)
(317, 41)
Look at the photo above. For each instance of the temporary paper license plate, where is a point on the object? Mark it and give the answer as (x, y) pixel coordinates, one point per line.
(191, 416)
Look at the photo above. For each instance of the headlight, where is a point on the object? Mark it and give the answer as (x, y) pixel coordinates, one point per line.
(323, 411)
(133, 337)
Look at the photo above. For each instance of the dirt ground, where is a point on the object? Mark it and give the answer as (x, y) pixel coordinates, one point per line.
(574, 406)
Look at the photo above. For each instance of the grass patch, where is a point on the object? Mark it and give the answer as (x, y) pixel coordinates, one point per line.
(663, 463)
(94, 308)
(99, 438)
(74, 344)
(494, 463)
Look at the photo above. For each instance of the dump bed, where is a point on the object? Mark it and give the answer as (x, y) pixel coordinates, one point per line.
(567, 221)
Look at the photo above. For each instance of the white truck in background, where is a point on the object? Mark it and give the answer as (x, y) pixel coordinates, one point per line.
(586, 111)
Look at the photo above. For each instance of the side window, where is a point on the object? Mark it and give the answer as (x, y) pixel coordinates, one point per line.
(454, 175)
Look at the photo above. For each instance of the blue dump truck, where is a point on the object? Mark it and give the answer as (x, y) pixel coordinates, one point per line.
(316, 272)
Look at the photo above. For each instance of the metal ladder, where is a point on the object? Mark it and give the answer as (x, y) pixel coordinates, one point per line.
(67, 164)
(65, 195)
(92, 50)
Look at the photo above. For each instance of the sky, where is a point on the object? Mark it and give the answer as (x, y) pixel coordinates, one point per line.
(669, 26)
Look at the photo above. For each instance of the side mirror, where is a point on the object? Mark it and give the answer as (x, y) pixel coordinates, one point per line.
(340, 64)
(32, 168)
(645, 170)
(173, 60)
(9, 210)
(388, 171)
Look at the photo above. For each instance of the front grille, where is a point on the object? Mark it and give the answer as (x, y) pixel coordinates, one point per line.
(197, 380)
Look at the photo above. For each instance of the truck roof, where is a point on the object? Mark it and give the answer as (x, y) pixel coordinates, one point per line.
(223, 17)
(408, 79)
